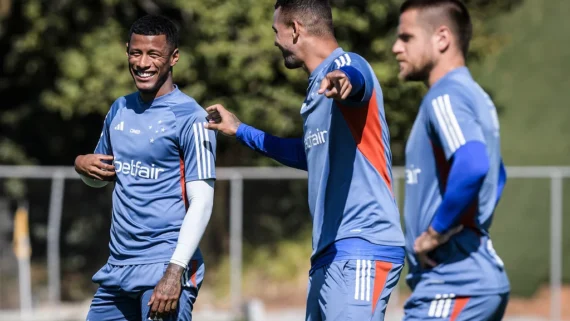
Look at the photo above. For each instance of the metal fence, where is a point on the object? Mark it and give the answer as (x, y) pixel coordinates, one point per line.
(236, 176)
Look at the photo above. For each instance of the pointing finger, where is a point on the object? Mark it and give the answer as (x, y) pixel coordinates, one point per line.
(331, 93)
(325, 84)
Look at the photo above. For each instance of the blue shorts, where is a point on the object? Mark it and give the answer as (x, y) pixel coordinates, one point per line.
(125, 290)
(351, 290)
(448, 307)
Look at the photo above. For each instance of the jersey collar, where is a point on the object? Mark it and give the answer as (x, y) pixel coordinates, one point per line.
(160, 100)
(463, 70)
(323, 65)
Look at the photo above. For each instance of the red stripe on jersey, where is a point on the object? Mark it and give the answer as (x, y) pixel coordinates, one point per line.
(183, 182)
(442, 166)
(194, 270)
(460, 303)
(366, 128)
(468, 218)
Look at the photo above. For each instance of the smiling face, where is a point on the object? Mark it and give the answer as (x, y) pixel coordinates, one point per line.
(286, 39)
(150, 62)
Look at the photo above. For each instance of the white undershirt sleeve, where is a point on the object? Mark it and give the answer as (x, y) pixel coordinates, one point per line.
(200, 195)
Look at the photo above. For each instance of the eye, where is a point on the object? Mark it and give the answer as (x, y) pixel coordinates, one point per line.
(405, 37)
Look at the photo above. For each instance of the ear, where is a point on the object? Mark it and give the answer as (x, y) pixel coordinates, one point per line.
(297, 26)
(443, 37)
(127, 51)
(175, 57)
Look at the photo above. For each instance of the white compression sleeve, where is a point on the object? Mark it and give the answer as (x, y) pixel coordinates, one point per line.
(201, 198)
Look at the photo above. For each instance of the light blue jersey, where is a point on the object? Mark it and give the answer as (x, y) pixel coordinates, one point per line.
(157, 148)
(455, 111)
(348, 156)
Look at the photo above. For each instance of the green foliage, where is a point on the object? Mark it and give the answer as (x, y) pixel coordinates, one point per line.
(66, 60)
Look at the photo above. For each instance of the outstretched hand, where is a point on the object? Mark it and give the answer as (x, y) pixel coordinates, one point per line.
(336, 85)
(220, 119)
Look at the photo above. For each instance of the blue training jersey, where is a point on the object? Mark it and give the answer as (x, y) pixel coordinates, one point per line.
(157, 148)
(455, 111)
(354, 212)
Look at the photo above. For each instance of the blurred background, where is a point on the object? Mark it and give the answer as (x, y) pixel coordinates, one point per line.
(62, 64)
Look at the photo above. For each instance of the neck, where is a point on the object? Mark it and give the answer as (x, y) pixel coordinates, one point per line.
(319, 51)
(444, 66)
(166, 88)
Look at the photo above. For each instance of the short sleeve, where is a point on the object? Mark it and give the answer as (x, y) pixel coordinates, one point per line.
(453, 122)
(104, 144)
(198, 146)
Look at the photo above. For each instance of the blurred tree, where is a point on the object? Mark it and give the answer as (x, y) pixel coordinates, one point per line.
(64, 64)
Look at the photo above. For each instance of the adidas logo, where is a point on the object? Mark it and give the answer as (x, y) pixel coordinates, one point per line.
(120, 126)
(441, 306)
(343, 60)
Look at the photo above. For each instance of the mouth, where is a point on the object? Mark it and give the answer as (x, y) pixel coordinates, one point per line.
(143, 75)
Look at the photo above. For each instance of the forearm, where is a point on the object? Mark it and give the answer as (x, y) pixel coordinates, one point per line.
(357, 81)
(201, 198)
(287, 151)
(467, 173)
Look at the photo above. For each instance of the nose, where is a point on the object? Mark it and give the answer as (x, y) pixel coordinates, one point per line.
(144, 62)
(397, 47)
